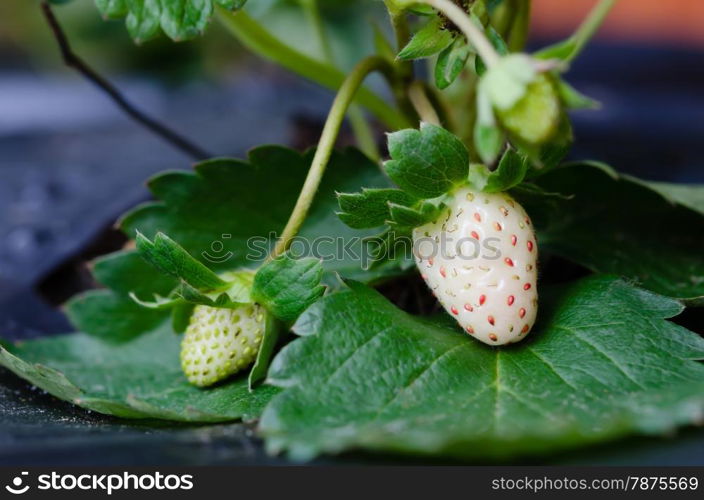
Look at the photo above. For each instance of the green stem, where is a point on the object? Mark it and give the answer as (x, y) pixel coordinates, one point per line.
(363, 133)
(470, 30)
(590, 26)
(326, 144)
(315, 20)
(259, 40)
(520, 24)
(421, 103)
(402, 32)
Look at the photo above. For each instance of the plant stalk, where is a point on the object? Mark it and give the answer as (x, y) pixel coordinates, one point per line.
(422, 104)
(589, 26)
(260, 41)
(402, 32)
(363, 133)
(326, 144)
(518, 35)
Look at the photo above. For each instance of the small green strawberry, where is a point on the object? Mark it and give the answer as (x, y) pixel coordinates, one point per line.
(525, 99)
(534, 119)
(221, 342)
(232, 319)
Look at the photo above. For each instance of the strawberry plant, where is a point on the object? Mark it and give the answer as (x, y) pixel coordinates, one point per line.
(473, 193)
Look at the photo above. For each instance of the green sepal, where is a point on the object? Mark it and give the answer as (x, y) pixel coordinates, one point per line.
(370, 208)
(215, 299)
(451, 61)
(159, 303)
(428, 41)
(273, 331)
(573, 98)
(550, 155)
(426, 163)
(181, 316)
(406, 218)
(286, 286)
(170, 258)
(511, 171)
(237, 293)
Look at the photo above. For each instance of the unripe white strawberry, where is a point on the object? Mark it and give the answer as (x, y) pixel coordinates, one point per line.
(486, 274)
(220, 342)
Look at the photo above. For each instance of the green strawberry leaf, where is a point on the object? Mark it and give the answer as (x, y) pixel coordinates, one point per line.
(451, 62)
(511, 171)
(140, 379)
(287, 286)
(179, 19)
(224, 214)
(111, 314)
(127, 271)
(370, 207)
(602, 363)
(689, 195)
(172, 259)
(428, 41)
(426, 163)
(228, 212)
(112, 317)
(617, 224)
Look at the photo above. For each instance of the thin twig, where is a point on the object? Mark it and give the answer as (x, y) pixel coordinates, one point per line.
(75, 62)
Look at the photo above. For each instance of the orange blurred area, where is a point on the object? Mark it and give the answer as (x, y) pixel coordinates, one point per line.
(678, 22)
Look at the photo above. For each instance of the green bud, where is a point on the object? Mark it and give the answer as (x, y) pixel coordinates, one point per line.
(535, 117)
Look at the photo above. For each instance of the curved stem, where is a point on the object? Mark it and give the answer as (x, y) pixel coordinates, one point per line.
(460, 18)
(325, 146)
(260, 41)
(423, 106)
(590, 26)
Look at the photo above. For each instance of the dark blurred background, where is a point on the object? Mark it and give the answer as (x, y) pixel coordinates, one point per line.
(71, 162)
